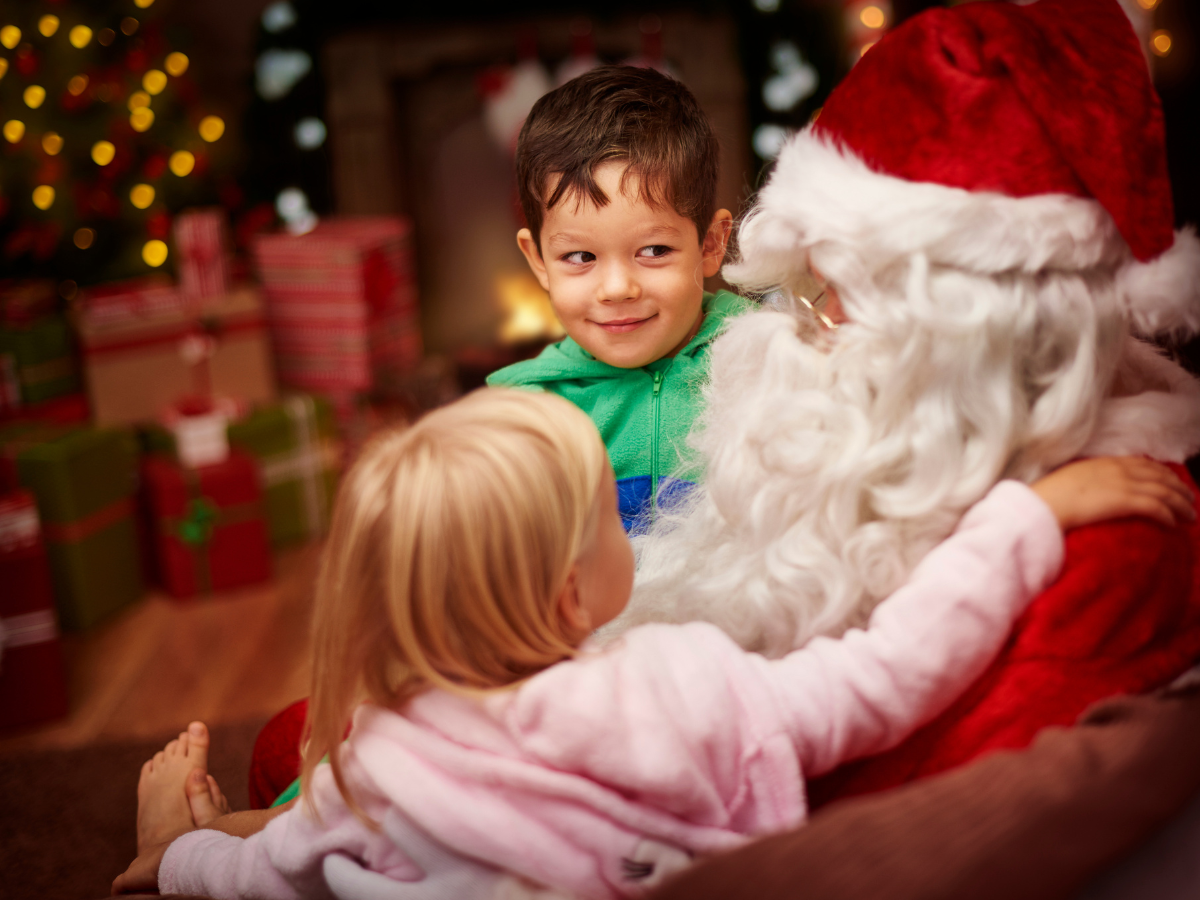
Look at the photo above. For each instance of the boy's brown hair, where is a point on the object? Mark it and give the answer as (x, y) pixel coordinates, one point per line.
(624, 113)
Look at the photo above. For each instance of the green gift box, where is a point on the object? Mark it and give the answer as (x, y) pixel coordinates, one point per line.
(299, 458)
(84, 480)
(43, 352)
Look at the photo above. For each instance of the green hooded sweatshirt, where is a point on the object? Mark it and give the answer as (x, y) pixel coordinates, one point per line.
(643, 415)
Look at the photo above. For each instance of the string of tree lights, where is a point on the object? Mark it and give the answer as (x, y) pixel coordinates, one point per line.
(105, 138)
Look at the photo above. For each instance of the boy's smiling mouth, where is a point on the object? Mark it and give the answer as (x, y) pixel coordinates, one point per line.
(621, 326)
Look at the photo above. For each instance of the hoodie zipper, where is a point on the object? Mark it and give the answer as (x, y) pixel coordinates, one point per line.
(658, 380)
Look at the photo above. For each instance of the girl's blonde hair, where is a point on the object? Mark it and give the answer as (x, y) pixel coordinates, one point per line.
(449, 546)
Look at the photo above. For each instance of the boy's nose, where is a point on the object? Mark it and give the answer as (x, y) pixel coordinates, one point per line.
(618, 283)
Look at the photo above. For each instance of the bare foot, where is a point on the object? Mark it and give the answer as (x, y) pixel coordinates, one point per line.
(205, 798)
(163, 809)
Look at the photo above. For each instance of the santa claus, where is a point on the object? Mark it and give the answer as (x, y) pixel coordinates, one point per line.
(986, 198)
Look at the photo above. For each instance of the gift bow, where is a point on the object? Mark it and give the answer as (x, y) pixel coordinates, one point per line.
(197, 525)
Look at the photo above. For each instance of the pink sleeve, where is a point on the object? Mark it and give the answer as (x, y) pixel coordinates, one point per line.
(924, 645)
(285, 859)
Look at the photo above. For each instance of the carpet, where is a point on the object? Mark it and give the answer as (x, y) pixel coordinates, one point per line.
(68, 816)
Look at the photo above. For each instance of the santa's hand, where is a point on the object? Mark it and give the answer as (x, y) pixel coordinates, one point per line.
(1111, 487)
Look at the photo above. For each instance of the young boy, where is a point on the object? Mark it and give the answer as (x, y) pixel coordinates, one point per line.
(617, 174)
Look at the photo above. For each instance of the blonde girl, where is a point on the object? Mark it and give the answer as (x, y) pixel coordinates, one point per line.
(493, 752)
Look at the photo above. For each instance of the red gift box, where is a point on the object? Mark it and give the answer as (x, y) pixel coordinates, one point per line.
(33, 683)
(210, 532)
(202, 248)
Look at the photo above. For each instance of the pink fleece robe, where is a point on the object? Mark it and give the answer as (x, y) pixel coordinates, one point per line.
(600, 774)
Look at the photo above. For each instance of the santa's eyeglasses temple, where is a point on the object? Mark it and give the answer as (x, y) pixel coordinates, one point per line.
(816, 306)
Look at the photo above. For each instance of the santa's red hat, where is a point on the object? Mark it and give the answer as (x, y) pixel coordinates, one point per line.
(994, 136)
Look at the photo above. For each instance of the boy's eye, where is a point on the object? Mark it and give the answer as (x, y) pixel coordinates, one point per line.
(579, 257)
(654, 251)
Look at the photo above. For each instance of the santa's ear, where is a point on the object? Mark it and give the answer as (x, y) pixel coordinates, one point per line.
(1163, 294)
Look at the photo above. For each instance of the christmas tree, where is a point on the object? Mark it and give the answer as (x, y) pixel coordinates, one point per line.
(105, 138)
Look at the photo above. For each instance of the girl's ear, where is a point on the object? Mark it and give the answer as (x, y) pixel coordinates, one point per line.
(533, 256)
(715, 241)
(570, 605)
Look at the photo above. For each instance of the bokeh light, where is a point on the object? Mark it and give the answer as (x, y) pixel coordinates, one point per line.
(47, 25)
(141, 118)
(52, 143)
(138, 99)
(43, 196)
(105, 37)
(1148, 4)
(767, 6)
(181, 163)
(142, 4)
(3, 66)
(84, 238)
(154, 253)
(103, 152)
(211, 128)
(872, 17)
(1160, 42)
(154, 81)
(141, 196)
(10, 36)
(77, 85)
(310, 133)
(279, 16)
(14, 130)
(34, 96)
(865, 48)
(129, 25)
(176, 64)
(80, 36)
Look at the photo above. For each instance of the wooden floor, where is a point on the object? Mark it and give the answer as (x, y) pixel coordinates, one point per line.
(160, 663)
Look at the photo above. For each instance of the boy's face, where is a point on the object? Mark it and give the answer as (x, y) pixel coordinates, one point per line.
(627, 279)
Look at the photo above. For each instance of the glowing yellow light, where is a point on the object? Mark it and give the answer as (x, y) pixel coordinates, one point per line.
(10, 36)
(141, 118)
(176, 64)
(866, 47)
(35, 96)
(84, 238)
(528, 313)
(47, 25)
(1147, 4)
(154, 253)
(141, 196)
(14, 130)
(77, 85)
(154, 81)
(3, 66)
(43, 196)
(182, 163)
(1160, 42)
(872, 17)
(105, 36)
(142, 4)
(103, 153)
(79, 36)
(211, 128)
(138, 99)
(52, 143)
(129, 25)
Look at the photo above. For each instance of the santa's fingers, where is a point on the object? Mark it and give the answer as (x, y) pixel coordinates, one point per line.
(1158, 503)
(1180, 503)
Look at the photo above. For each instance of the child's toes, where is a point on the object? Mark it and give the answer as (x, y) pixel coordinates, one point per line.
(200, 800)
(218, 798)
(171, 750)
(197, 747)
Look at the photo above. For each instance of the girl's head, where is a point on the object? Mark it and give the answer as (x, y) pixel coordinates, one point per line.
(468, 552)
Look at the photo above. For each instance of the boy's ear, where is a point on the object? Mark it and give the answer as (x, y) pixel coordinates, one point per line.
(715, 242)
(533, 256)
(570, 606)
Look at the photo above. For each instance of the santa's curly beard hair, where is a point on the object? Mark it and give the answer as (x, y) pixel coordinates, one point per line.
(979, 347)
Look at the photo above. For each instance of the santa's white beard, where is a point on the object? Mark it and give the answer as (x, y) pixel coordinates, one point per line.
(832, 470)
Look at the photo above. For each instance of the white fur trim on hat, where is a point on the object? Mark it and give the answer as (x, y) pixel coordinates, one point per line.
(821, 193)
(1163, 294)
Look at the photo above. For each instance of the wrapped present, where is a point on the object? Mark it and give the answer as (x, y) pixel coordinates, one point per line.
(208, 524)
(83, 480)
(342, 304)
(27, 300)
(33, 685)
(299, 458)
(201, 251)
(40, 361)
(138, 350)
(72, 409)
